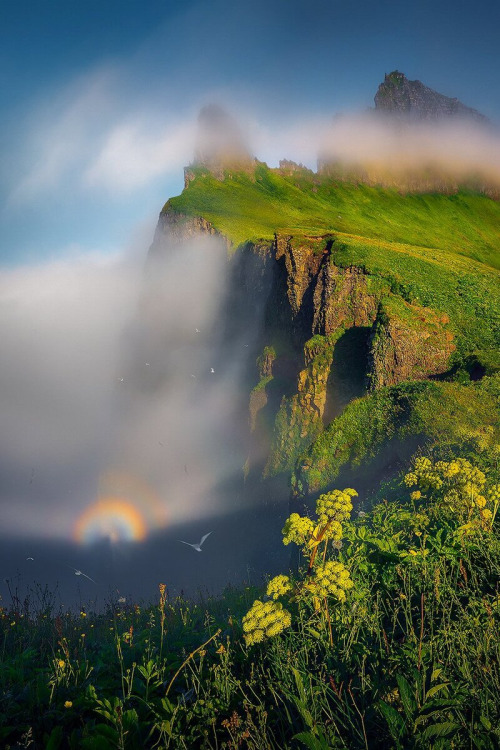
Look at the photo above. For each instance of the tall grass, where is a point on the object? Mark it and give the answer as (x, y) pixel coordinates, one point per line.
(410, 660)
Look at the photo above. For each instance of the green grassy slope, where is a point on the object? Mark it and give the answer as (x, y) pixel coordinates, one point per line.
(246, 208)
(441, 251)
(444, 413)
(468, 291)
(431, 250)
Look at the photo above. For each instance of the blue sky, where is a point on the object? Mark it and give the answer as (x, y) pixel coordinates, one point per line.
(100, 98)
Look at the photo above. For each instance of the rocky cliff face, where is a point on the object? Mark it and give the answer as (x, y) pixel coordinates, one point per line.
(400, 97)
(306, 306)
(408, 342)
(174, 228)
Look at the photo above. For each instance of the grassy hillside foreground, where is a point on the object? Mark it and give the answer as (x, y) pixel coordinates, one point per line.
(388, 636)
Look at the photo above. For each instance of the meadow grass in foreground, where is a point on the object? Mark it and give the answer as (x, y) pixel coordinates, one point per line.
(386, 636)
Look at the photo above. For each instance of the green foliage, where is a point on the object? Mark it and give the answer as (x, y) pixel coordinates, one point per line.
(411, 661)
(467, 291)
(439, 412)
(249, 207)
(325, 579)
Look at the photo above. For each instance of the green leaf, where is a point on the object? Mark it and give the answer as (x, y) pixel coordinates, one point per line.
(407, 697)
(485, 722)
(107, 732)
(312, 742)
(394, 720)
(436, 688)
(304, 712)
(55, 739)
(314, 632)
(167, 706)
(445, 729)
(439, 704)
(299, 684)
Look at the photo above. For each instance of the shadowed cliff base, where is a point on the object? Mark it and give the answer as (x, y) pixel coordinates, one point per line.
(348, 373)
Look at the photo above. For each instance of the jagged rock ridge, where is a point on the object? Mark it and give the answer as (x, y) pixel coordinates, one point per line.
(401, 97)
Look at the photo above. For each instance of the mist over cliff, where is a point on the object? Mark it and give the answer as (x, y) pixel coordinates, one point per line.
(203, 386)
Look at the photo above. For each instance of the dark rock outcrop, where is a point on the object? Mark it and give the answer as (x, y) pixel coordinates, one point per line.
(174, 228)
(412, 99)
(220, 145)
(409, 342)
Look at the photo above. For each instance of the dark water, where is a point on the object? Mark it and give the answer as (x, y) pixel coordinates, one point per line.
(244, 547)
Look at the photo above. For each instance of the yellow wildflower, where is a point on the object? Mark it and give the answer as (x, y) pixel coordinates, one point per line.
(264, 620)
(297, 529)
(278, 586)
(335, 506)
(68, 704)
(332, 579)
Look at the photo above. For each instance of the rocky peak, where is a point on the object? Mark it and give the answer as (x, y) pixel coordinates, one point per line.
(412, 99)
(220, 144)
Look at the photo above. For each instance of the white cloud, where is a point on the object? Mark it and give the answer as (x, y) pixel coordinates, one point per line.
(79, 400)
(62, 136)
(61, 326)
(133, 154)
(457, 149)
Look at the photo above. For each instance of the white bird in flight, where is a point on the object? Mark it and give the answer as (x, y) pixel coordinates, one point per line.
(212, 369)
(197, 547)
(79, 573)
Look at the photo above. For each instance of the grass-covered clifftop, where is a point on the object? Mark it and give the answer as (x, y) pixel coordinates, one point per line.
(416, 275)
(253, 207)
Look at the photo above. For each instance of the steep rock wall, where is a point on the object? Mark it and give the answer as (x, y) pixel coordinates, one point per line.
(409, 342)
(304, 303)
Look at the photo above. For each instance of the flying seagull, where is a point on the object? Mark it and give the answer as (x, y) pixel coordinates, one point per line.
(197, 547)
(197, 330)
(79, 573)
(212, 369)
(30, 558)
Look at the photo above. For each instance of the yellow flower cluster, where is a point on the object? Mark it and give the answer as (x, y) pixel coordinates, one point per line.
(331, 579)
(297, 529)
(278, 586)
(335, 506)
(461, 485)
(494, 493)
(264, 620)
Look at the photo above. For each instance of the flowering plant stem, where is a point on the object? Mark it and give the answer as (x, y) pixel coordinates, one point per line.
(319, 539)
(189, 658)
